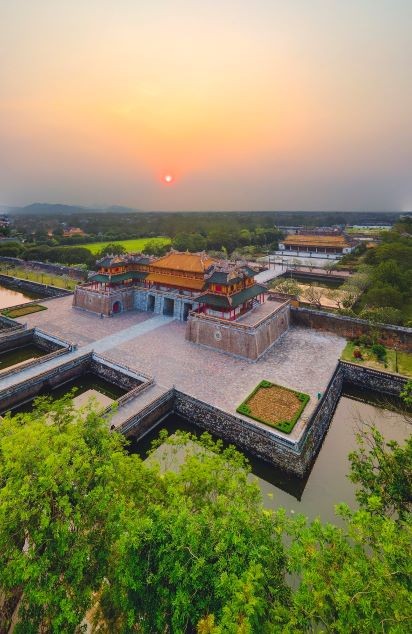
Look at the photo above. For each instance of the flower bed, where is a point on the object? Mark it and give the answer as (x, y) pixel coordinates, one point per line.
(274, 405)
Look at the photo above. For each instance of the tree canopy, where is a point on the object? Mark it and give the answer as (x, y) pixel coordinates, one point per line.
(90, 531)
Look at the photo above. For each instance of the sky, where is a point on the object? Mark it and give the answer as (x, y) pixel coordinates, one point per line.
(247, 105)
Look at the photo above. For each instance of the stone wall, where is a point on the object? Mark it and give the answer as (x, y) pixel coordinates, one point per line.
(350, 327)
(248, 342)
(109, 372)
(44, 381)
(31, 336)
(29, 389)
(257, 440)
(374, 380)
(149, 417)
(7, 324)
(42, 290)
(104, 302)
(295, 457)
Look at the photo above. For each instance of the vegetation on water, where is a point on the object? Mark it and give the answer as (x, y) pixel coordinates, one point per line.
(377, 356)
(90, 531)
(274, 405)
(20, 311)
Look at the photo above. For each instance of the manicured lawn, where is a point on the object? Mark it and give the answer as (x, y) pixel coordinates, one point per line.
(131, 246)
(24, 310)
(42, 278)
(369, 359)
(274, 405)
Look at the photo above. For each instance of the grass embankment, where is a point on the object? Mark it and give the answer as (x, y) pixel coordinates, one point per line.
(404, 359)
(22, 310)
(37, 276)
(131, 246)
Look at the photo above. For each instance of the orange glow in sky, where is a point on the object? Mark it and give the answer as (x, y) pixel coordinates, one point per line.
(243, 105)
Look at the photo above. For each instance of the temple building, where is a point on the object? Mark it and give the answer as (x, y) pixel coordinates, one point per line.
(317, 243)
(173, 285)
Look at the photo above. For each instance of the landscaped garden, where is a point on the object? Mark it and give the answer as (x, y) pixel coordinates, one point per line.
(274, 405)
(378, 357)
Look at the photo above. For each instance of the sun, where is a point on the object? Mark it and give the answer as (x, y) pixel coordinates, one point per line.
(168, 179)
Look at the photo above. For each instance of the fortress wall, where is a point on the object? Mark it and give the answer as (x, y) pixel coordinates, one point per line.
(351, 327)
(232, 338)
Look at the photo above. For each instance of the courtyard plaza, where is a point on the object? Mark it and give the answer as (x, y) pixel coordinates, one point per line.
(302, 359)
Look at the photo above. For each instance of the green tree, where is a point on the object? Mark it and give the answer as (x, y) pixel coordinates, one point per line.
(383, 315)
(58, 476)
(203, 541)
(384, 470)
(153, 247)
(287, 285)
(406, 394)
(381, 295)
(111, 249)
(351, 579)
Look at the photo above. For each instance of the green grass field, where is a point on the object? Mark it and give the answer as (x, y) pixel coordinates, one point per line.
(369, 359)
(131, 246)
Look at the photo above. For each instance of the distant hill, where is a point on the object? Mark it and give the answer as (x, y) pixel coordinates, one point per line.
(55, 209)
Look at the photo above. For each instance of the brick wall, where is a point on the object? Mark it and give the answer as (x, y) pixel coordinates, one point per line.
(350, 327)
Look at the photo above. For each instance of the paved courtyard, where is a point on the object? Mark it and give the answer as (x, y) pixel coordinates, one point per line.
(301, 359)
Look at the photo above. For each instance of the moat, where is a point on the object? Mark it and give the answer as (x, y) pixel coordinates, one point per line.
(327, 483)
(11, 297)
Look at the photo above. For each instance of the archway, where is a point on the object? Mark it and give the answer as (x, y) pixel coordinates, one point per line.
(117, 307)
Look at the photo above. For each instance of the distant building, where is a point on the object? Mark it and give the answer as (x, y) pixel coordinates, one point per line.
(70, 232)
(317, 243)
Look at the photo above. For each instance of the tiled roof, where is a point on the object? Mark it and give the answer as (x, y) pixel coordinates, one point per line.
(119, 277)
(231, 301)
(191, 262)
(223, 277)
(309, 240)
(176, 280)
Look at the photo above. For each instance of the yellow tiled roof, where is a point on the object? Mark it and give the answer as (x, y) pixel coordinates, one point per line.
(176, 280)
(324, 241)
(190, 262)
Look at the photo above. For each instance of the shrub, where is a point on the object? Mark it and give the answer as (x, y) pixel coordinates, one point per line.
(357, 353)
(379, 351)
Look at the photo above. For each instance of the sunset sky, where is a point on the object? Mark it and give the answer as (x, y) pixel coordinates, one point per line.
(258, 104)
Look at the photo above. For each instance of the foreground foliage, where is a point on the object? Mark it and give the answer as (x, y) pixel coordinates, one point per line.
(87, 529)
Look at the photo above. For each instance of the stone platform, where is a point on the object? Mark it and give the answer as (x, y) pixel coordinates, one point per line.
(301, 359)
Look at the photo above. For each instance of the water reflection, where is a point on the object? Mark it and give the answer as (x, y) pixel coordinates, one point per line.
(10, 297)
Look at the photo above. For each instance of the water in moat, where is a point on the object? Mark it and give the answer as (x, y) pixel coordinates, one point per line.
(19, 355)
(87, 384)
(11, 297)
(327, 484)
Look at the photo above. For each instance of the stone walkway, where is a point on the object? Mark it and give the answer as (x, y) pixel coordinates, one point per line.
(123, 336)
